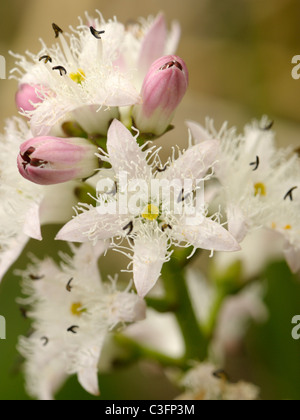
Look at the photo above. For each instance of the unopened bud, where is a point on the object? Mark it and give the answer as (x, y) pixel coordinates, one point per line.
(163, 89)
(51, 160)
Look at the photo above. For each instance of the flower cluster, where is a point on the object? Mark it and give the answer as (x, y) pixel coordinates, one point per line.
(92, 106)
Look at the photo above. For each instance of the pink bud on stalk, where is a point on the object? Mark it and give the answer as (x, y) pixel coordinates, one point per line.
(51, 160)
(27, 96)
(163, 89)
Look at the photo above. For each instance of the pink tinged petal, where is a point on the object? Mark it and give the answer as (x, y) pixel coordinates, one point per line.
(88, 379)
(32, 225)
(27, 96)
(292, 256)
(163, 89)
(195, 162)
(173, 38)
(208, 235)
(12, 253)
(237, 224)
(153, 45)
(125, 155)
(148, 260)
(94, 226)
(199, 133)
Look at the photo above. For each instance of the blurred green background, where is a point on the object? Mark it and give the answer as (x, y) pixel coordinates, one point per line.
(239, 55)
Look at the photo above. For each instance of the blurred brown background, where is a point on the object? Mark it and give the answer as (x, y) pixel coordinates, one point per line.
(239, 53)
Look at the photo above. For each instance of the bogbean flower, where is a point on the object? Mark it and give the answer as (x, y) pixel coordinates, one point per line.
(163, 89)
(206, 383)
(50, 160)
(72, 312)
(259, 184)
(155, 220)
(87, 76)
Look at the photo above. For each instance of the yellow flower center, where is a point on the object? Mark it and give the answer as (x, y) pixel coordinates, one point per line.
(260, 189)
(150, 212)
(76, 309)
(288, 227)
(78, 77)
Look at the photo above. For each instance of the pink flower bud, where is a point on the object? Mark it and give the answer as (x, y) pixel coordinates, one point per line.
(51, 160)
(27, 96)
(163, 89)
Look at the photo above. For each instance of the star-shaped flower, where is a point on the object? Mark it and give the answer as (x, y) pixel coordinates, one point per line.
(154, 219)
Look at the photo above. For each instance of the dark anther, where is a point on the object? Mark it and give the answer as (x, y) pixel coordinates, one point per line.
(72, 329)
(165, 227)
(23, 312)
(114, 190)
(57, 30)
(36, 278)
(182, 197)
(221, 374)
(162, 169)
(95, 33)
(255, 164)
(46, 341)
(69, 287)
(46, 59)
(129, 227)
(289, 194)
(171, 64)
(27, 154)
(61, 70)
(268, 126)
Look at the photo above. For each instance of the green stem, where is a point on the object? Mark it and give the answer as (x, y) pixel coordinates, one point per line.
(136, 351)
(176, 291)
(161, 305)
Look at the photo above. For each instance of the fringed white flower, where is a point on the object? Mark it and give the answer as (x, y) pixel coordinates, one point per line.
(90, 73)
(72, 312)
(206, 383)
(259, 184)
(154, 219)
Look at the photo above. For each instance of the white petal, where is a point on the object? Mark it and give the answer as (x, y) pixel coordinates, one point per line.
(124, 152)
(149, 257)
(195, 162)
(173, 39)
(292, 256)
(32, 225)
(207, 235)
(237, 225)
(92, 225)
(88, 379)
(57, 206)
(199, 133)
(9, 256)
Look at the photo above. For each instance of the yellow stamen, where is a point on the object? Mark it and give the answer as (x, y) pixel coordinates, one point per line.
(78, 77)
(150, 212)
(288, 227)
(274, 225)
(76, 309)
(260, 189)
